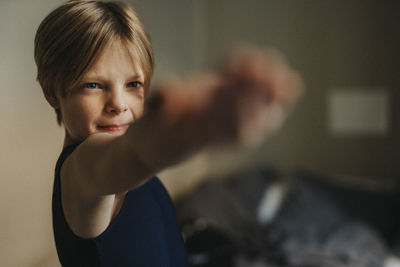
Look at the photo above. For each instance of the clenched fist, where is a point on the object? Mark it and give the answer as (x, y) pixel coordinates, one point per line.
(244, 101)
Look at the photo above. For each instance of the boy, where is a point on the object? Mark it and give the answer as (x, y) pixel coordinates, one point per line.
(95, 63)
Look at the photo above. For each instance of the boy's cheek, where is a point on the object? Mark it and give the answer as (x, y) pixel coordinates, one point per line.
(136, 107)
(78, 117)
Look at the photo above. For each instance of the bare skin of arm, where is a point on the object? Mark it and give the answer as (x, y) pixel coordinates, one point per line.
(244, 101)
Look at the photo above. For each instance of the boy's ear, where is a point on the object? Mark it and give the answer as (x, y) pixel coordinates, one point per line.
(53, 101)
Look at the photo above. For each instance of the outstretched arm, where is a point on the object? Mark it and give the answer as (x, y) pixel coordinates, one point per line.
(244, 101)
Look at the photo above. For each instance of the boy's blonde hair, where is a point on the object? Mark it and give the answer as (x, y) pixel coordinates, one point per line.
(72, 37)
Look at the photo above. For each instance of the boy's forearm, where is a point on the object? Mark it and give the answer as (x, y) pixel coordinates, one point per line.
(148, 146)
(158, 143)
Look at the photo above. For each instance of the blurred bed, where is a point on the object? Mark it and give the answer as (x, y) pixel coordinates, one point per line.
(260, 217)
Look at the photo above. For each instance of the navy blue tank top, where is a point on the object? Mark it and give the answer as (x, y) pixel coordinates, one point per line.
(144, 233)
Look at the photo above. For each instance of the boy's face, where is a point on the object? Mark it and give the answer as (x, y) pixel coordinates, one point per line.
(109, 98)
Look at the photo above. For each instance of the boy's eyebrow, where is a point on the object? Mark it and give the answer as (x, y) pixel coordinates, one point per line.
(136, 77)
(94, 76)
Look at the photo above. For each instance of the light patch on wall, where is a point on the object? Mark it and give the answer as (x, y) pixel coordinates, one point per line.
(358, 112)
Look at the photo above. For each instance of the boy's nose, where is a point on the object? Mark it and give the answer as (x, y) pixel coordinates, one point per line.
(116, 103)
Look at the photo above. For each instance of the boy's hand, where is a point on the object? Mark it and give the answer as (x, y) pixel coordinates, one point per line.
(243, 102)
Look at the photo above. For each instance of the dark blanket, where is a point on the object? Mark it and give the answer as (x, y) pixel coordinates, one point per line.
(318, 224)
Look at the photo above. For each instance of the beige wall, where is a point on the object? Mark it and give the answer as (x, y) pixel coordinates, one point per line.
(30, 140)
(333, 43)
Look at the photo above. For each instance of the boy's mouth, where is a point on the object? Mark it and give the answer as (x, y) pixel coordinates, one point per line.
(113, 128)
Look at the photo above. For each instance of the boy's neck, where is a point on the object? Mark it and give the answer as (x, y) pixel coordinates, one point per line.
(68, 140)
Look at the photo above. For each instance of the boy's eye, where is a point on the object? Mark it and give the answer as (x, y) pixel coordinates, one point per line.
(134, 84)
(91, 85)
